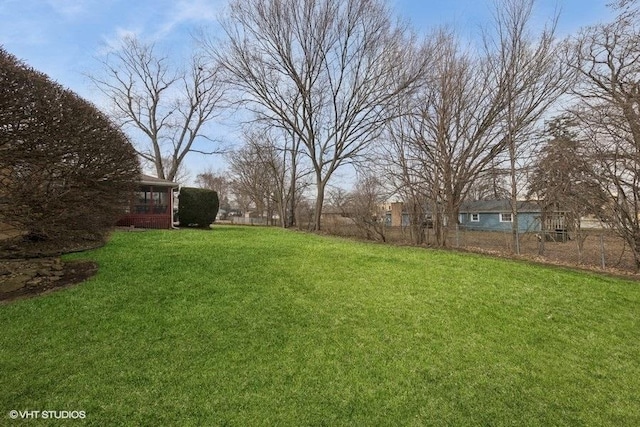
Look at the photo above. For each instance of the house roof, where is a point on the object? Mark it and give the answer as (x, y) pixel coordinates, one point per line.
(479, 206)
(158, 182)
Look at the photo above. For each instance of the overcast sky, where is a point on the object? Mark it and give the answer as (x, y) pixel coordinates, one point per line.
(62, 38)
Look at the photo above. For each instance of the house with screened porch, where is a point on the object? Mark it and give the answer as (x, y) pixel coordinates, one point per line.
(152, 204)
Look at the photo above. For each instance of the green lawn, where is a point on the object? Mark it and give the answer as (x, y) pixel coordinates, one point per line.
(257, 326)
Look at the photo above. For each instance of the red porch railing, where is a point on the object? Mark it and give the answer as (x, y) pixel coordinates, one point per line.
(145, 221)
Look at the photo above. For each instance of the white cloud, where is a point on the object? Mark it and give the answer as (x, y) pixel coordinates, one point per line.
(114, 42)
(69, 8)
(190, 11)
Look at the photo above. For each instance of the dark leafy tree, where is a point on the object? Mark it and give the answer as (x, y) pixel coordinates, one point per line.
(65, 168)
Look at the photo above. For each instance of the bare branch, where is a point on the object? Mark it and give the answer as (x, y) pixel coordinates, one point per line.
(169, 106)
(328, 71)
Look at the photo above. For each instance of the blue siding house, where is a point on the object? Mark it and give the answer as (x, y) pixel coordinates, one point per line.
(495, 215)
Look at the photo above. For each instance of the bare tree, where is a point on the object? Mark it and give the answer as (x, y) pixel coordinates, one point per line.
(279, 150)
(403, 167)
(337, 198)
(327, 71)
(164, 106)
(473, 111)
(491, 185)
(607, 58)
(265, 169)
(364, 205)
(218, 182)
(180, 172)
(448, 135)
(252, 177)
(531, 78)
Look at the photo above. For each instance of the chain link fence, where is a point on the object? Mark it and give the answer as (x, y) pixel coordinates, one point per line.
(601, 249)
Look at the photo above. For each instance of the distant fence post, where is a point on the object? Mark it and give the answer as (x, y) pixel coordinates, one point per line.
(602, 251)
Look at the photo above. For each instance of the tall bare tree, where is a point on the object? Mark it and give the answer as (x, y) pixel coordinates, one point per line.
(326, 70)
(449, 134)
(277, 153)
(403, 168)
(531, 77)
(164, 108)
(283, 156)
(607, 58)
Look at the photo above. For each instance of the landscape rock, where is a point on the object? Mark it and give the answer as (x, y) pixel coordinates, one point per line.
(14, 283)
(26, 277)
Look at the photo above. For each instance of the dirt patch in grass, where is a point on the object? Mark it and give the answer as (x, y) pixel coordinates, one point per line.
(24, 278)
(30, 267)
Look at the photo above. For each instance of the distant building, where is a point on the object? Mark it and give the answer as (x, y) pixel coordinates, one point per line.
(496, 215)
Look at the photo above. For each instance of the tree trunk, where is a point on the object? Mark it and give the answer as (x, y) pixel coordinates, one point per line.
(515, 230)
(453, 212)
(317, 215)
(438, 225)
(542, 237)
(416, 220)
(515, 225)
(636, 252)
(291, 220)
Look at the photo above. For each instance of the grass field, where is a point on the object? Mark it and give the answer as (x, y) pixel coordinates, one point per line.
(256, 326)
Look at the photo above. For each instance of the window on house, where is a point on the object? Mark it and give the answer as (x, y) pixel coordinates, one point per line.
(506, 217)
(475, 217)
(143, 200)
(160, 204)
